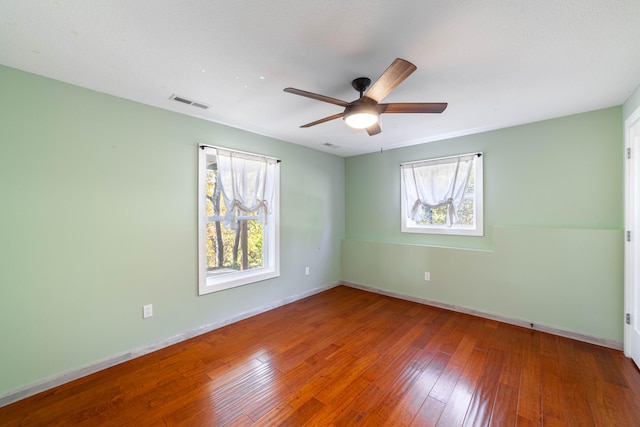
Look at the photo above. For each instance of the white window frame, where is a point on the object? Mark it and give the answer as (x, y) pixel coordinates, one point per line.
(410, 226)
(271, 237)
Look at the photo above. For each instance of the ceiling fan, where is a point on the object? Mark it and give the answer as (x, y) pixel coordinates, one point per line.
(364, 112)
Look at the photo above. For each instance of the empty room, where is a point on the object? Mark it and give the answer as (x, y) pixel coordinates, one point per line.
(417, 213)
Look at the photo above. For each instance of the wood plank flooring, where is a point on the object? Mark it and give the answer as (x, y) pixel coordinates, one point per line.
(347, 357)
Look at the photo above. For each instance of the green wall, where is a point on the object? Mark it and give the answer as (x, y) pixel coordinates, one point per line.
(552, 253)
(99, 218)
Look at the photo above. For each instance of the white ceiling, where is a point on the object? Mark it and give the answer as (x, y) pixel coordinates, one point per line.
(497, 63)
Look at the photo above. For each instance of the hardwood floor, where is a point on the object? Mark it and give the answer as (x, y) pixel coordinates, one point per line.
(348, 357)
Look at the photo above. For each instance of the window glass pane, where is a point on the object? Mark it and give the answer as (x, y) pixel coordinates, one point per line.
(230, 250)
(427, 196)
(437, 216)
(235, 249)
(466, 212)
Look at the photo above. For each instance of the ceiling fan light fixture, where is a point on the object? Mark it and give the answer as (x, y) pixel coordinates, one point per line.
(364, 113)
(361, 116)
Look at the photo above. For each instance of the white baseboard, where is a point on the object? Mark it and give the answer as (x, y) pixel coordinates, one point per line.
(616, 345)
(66, 377)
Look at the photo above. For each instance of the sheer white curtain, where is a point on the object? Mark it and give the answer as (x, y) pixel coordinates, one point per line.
(436, 183)
(247, 185)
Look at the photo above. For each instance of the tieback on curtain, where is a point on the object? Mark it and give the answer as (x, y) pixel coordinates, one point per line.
(231, 217)
(451, 215)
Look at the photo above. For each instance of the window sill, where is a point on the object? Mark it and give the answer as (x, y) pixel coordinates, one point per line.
(216, 283)
(477, 232)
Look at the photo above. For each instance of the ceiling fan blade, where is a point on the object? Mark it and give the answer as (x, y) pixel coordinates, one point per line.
(374, 129)
(412, 107)
(326, 119)
(316, 96)
(399, 70)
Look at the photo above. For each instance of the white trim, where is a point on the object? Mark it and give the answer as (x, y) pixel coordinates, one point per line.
(203, 146)
(436, 159)
(407, 225)
(56, 380)
(629, 247)
(616, 345)
(271, 267)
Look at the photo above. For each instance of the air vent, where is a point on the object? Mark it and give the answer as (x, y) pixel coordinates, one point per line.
(189, 101)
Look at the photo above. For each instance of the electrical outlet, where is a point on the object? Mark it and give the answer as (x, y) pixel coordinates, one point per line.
(147, 311)
(427, 276)
(306, 271)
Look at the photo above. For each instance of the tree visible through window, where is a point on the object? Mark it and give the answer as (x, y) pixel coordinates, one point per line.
(238, 218)
(230, 249)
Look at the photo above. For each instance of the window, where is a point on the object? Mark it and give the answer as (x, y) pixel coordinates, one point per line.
(238, 204)
(443, 196)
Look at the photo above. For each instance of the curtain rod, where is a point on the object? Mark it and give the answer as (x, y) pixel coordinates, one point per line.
(203, 146)
(479, 154)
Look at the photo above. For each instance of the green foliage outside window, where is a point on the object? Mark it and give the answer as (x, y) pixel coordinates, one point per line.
(226, 250)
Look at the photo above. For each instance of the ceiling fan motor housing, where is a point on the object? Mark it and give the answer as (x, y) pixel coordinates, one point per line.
(361, 84)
